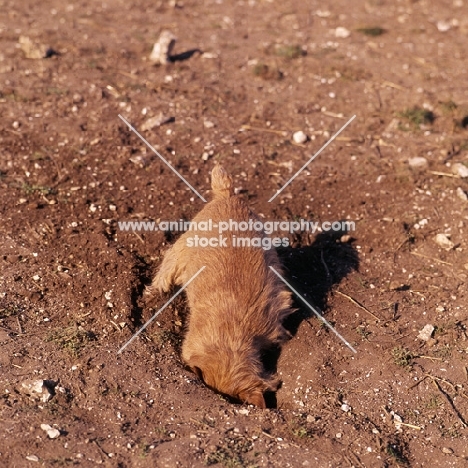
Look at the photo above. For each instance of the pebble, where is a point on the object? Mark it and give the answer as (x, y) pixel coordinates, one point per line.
(33, 458)
(51, 431)
(161, 53)
(299, 137)
(418, 162)
(395, 285)
(33, 50)
(447, 450)
(426, 332)
(443, 241)
(39, 387)
(139, 160)
(443, 26)
(431, 342)
(77, 98)
(342, 32)
(461, 194)
(156, 121)
(346, 408)
(460, 170)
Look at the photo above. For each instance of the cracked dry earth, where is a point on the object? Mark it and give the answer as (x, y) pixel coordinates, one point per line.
(244, 76)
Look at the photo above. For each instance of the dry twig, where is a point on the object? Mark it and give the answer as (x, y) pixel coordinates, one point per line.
(359, 305)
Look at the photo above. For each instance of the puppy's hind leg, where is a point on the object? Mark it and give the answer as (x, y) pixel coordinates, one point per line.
(168, 274)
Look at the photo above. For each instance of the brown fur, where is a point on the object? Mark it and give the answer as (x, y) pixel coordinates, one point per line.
(237, 304)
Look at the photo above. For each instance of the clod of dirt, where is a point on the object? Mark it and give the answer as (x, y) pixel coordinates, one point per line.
(161, 53)
(426, 333)
(443, 241)
(34, 50)
(299, 137)
(417, 162)
(460, 170)
(43, 389)
(461, 194)
(51, 431)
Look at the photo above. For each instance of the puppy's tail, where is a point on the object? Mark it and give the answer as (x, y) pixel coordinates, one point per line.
(221, 182)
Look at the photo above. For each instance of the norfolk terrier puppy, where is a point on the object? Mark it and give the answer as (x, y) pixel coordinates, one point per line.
(237, 303)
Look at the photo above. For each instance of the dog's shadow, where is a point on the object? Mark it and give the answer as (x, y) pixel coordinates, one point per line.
(313, 271)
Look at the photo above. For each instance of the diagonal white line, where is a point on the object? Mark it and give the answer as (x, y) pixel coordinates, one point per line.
(312, 158)
(161, 309)
(313, 310)
(162, 159)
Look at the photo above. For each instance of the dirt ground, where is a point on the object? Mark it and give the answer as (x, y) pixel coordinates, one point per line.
(244, 76)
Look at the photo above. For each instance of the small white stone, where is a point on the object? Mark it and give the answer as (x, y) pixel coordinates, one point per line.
(346, 408)
(31, 49)
(51, 431)
(443, 26)
(323, 13)
(342, 32)
(418, 162)
(156, 121)
(33, 458)
(244, 411)
(208, 124)
(338, 435)
(443, 241)
(205, 156)
(112, 207)
(161, 53)
(299, 137)
(461, 194)
(460, 169)
(426, 333)
(36, 278)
